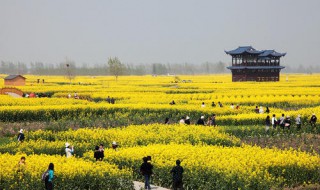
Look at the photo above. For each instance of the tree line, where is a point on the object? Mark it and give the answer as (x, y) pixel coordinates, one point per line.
(112, 67)
(116, 68)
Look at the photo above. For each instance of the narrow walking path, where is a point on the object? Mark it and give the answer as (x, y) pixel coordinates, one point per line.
(139, 185)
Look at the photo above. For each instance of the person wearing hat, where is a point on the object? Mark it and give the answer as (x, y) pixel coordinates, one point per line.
(187, 121)
(69, 150)
(20, 136)
(298, 122)
(313, 120)
(201, 121)
(114, 145)
(177, 172)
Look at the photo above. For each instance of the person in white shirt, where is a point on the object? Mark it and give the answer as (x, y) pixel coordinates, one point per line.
(298, 122)
(261, 110)
(232, 106)
(69, 151)
(182, 122)
(203, 105)
(274, 121)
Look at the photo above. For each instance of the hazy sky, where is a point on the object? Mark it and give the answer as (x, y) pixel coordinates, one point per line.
(148, 31)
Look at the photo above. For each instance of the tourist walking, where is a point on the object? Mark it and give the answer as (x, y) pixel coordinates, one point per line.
(182, 122)
(261, 110)
(313, 120)
(114, 145)
(274, 121)
(256, 109)
(281, 121)
(166, 121)
(49, 177)
(146, 171)
(20, 136)
(187, 120)
(96, 153)
(201, 121)
(177, 172)
(267, 110)
(268, 123)
(101, 152)
(287, 122)
(298, 122)
(69, 150)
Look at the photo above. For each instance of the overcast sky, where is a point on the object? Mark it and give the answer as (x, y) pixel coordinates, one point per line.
(148, 31)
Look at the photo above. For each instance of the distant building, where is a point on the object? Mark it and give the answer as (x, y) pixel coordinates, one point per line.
(249, 64)
(15, 80)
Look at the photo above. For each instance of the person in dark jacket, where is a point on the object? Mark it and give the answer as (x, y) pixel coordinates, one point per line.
(201, 121)
(20, 136)
(287, 122)
(166, 120)
(97, 153)
(267, 110)
(187, 120)
(146, 170)
(268, 123)
(313, 120)
(177, 172)
(256, 109)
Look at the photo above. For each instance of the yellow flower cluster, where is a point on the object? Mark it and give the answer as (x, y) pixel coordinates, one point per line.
(68, 173)
(224, 167)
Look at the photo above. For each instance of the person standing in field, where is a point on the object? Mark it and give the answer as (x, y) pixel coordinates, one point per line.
(267, 110)
(114, 145)
(146, 170)
(237, 107)
(268, 123)
(213, 104)
(49, 180)
(166, 121)
(256, 109)
(274, 121)
(203, 105)
(212, 120)
(298, 122)
(220, 104)
(313, 120)
(187, 121)
(101, 152)
(177, 172)
(261, 110)
(20, 136)
(201, 121)
(108, 99)
(281, 121)
(287, 122)
(232, 106)
(69, 150)
(96, 153)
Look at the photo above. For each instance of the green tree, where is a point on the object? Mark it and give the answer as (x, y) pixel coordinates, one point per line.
(116, 68)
